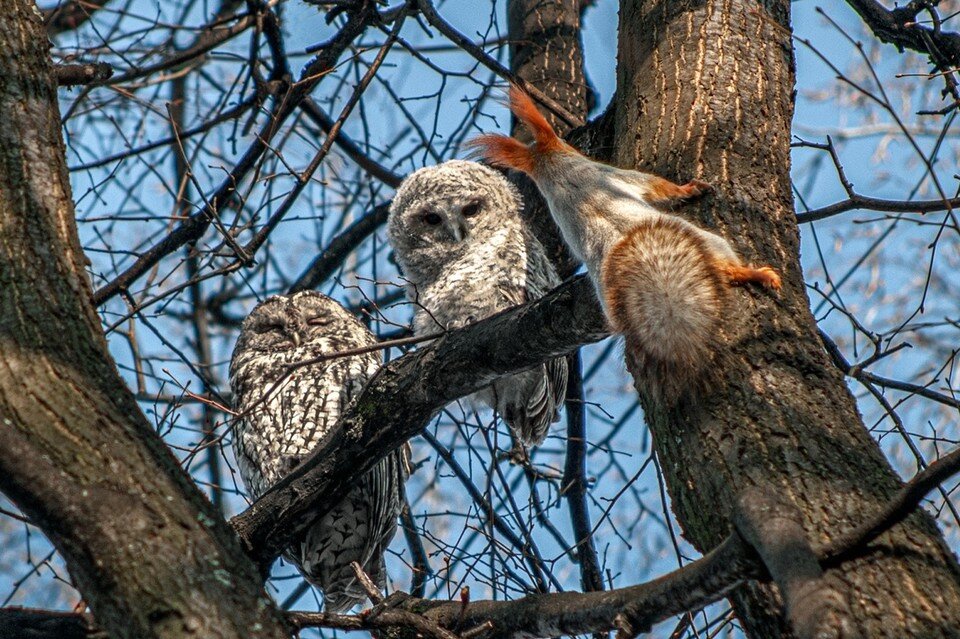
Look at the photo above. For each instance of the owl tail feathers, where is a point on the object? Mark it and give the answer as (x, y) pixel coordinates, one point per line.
(664, 291)
(529, 402)
(341, 588)
(342, 601)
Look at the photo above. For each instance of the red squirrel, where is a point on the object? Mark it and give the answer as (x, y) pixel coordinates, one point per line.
(662, 280)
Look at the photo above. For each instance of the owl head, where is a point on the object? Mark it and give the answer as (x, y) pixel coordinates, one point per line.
(297, 323)
(440, 211)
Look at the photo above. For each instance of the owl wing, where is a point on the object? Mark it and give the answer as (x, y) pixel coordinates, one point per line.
(391, 476)
(264, 442)
(529, 402)
(542, 278)
(360, 528)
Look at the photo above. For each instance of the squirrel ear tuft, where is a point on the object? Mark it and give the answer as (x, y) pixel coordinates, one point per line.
(503, 151)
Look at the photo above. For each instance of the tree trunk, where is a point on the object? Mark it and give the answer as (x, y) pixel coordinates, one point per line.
(705, 91)
(546, 50)
(146, 549)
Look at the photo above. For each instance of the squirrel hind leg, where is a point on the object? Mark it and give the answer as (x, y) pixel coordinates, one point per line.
(738, 274)
(663, 191)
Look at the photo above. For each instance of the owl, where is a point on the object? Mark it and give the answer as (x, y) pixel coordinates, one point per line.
(275, 433)
(466, 254)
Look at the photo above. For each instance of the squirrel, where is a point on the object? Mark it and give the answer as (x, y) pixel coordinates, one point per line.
(662, 281)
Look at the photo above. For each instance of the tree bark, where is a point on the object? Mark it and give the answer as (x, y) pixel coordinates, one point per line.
(145, 548)
(705, 91)
(546, 50)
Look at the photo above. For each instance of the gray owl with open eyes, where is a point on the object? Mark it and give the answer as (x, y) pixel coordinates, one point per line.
(275, 434)
(466, 254)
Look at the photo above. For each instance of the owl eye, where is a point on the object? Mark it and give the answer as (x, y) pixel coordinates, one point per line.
(432, 219)
(471, 209)
(271, 328)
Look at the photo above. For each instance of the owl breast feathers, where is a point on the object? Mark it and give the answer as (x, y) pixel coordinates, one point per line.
(466, 254)
(279, 427)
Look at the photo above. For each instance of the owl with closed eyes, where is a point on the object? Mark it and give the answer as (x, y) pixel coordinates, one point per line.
(279, 427)
(466, 254)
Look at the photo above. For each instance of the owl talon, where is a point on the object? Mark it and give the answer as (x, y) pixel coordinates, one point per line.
(518, 455)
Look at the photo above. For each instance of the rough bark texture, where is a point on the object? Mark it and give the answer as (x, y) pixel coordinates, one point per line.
(705, 92)
(546, 50)
(146, 549)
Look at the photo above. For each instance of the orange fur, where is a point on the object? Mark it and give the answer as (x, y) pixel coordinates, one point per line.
(764, 275)
(545, 138)
(664, 291)
(504, 151)
(665, 191)
(508, 152)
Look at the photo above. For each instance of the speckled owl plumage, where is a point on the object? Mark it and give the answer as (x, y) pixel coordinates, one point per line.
(466, 254)
(274, 435)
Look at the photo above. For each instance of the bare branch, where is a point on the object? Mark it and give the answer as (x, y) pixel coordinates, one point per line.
(68, 75)
(196, 225)
(857, 202)
(341, 246)
(430, 13)
(574, 486)
(67, 16)
(354, 152)
(629, 610)
(899, 27)
(896, 510)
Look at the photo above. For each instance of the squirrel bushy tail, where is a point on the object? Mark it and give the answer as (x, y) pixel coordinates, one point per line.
(664, 291)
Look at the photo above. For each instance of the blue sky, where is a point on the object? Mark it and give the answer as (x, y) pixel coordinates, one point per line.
(635, 541)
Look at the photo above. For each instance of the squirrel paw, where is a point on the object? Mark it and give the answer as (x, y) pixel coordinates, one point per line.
(661, 191)
(764, 275)
(696, 188)
(769, 278)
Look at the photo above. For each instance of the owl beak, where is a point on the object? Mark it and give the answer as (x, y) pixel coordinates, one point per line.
(459, 229)
(295, 336)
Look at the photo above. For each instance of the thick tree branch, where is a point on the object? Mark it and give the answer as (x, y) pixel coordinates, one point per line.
(29, 623)
(629, 610)
(899, 27)
(786, 422)
(69, 75)
(77, 456)
(775, 531)
(405, 395)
